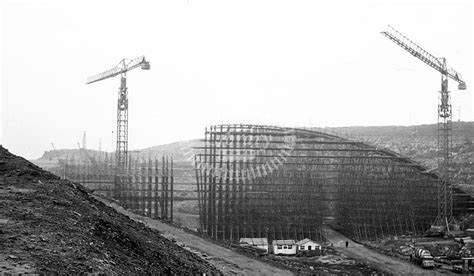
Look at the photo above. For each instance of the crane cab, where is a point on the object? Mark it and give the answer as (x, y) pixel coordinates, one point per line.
(462, 86)
(145, 65)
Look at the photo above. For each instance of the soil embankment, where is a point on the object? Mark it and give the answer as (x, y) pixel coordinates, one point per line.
(49, 225)
(228, 261)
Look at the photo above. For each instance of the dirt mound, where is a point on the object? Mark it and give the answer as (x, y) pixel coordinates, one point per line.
(49, 225)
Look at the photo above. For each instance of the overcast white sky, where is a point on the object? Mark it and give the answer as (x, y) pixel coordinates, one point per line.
(293, 63)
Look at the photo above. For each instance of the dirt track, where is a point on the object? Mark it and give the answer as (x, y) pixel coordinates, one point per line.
(383, 262)
(224, 259)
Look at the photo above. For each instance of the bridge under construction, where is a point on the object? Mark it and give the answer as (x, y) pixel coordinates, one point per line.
(286, 183)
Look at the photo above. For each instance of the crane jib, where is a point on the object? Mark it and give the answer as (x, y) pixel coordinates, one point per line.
(121, 68)
(423, 55)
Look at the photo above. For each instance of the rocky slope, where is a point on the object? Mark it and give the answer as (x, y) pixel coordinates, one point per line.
(48, 225)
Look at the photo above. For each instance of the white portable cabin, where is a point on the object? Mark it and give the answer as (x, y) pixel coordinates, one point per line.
(284, 247)
(261, 243)
(308, 245)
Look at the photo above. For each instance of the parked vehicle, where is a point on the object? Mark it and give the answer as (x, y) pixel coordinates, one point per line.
(457, 268)
(422, 257)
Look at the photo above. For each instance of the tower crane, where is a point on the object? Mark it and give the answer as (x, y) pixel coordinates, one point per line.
(445, 203)
(121, 69)
(54, 151)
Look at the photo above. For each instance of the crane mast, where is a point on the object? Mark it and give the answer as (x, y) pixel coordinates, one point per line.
(121, 155)
(445, 201)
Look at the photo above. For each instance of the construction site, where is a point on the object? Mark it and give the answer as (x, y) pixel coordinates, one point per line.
(283, 183)
(248, 198)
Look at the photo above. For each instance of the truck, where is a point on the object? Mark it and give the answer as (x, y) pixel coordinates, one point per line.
(422, 257)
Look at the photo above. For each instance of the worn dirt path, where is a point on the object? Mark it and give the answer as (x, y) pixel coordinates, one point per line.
(224, 259)
(385, 263)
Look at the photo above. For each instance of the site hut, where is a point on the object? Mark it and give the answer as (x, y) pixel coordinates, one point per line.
(308, 245)
(284, 247)
(261, 243)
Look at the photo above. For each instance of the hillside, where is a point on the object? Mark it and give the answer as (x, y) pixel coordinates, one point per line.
(180, 151)
(54, 226)
(420, 143)
(417, 142)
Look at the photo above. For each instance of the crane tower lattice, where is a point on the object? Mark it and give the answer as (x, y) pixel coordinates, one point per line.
(122, 106)
(445, 204)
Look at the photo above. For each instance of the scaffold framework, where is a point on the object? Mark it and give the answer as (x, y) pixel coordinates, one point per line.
(146, 186)
(286, 183)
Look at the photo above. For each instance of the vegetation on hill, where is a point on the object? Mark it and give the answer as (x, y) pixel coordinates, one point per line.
(420, 143)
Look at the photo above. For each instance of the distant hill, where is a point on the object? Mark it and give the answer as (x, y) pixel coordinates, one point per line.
(417, 142)
(180, 152)
(52, 158)
(460, 129)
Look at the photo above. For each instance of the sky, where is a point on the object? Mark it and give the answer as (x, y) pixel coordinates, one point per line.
(288, 63)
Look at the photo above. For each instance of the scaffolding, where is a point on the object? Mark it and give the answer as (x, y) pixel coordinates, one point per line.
(287, 183)
(146, 187)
